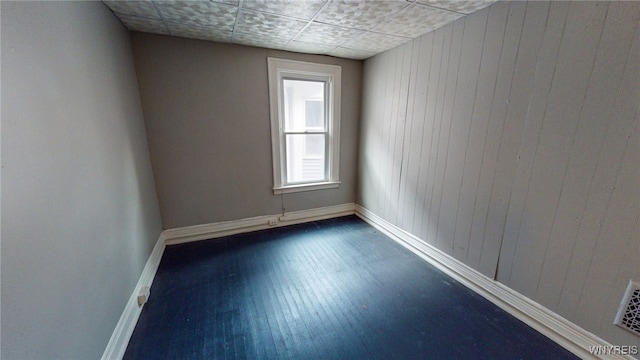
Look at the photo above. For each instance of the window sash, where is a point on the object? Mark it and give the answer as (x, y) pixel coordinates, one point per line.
(302, 155)
(280, 70)
(286, 110)
(287, 177)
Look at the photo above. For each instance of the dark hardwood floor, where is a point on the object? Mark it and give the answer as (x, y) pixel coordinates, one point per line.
(333, 289)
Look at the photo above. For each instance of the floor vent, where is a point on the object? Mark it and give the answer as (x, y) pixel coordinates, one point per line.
(629, 312)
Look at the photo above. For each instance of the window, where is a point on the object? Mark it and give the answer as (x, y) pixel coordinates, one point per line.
(305, 125)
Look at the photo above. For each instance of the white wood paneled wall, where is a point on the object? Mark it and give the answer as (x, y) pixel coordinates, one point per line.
(509, 140)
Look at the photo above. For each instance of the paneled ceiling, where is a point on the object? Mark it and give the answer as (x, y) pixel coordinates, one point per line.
(354, 29)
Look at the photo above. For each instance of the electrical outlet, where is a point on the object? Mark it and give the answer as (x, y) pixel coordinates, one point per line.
(273, 222)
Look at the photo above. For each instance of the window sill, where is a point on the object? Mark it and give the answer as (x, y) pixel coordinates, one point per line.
(305, 187)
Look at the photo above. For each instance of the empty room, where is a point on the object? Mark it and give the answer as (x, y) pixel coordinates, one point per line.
(320, 179)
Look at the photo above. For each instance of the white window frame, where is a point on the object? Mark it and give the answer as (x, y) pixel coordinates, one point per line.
(279, 70)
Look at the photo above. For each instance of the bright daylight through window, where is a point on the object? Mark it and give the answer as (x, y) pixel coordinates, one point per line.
(305, 124)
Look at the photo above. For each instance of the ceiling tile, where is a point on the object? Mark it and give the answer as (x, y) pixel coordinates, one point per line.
(199, 13)
(358, 14)
(355, 29)
(192, 32)
(301, 9)
(327, 34)
(416, 20)
(268, 25)
(137, 8)
(374, 42)
(228, 2)
(461, 6)
(351, 53)
(259, 40)
(299, 46)
(135, 23)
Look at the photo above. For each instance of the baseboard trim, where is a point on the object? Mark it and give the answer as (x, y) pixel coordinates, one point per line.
(562, 331)
(552, 325)
(226, 228)
(124, 328)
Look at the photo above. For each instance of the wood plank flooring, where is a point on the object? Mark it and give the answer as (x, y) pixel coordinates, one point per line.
(333, 289)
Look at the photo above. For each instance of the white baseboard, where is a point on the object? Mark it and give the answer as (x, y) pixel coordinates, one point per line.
(552, 325)
(562, 331)
(124, 329)
(226, 228)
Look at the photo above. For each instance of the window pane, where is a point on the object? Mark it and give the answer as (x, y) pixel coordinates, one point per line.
(303, 105)
(314, 114)
(305, 157)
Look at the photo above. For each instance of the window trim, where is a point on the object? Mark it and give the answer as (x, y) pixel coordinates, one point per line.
(278, 70)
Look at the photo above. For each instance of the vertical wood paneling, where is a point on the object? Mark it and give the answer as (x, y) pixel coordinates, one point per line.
(390, 188)
(381, 122)
(370, 131)
(472, 44)
(385, 153)
(373, 106)
(449, 156)
(442, 233)
(618, 236)
(431, 49)
(545, 65)
(419, 81)
(430, 153)
(612, 204)
(508, 139)
(519, 103)
(575, 63)
(498, 152)
(367, 130)
(412, 59)
(401, 124)
(602, 185)
(485, 142)
(594, 121)
(628, 225)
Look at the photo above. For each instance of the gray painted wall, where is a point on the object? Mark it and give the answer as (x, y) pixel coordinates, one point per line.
(79, 210)
(509, 140)
(206, 108)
